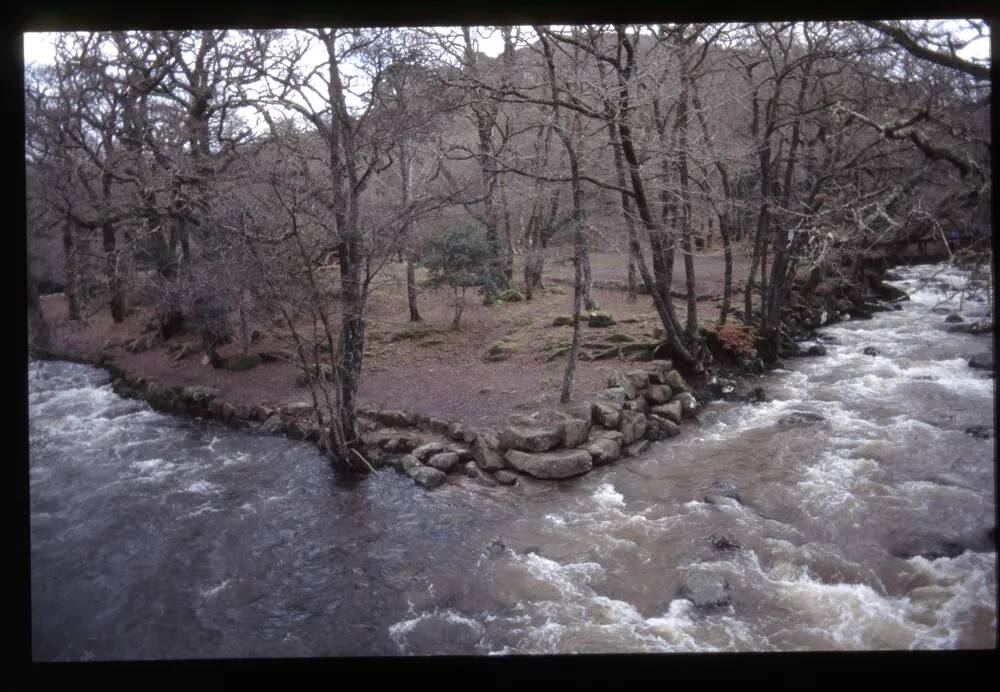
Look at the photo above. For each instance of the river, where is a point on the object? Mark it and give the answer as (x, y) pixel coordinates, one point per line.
(156, 537)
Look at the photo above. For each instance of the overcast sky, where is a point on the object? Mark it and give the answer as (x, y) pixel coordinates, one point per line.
(38, 47)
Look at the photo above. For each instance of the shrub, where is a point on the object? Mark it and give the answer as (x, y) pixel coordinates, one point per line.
(457, 258)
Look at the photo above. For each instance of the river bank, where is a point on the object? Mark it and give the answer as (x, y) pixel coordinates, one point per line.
(642, 403)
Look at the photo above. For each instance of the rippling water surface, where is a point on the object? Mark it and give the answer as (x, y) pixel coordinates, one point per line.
(158, 537)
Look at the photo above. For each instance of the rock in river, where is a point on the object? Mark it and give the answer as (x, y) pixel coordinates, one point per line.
(706, 590)
(561, 464)
(982, 360)
(426, 476)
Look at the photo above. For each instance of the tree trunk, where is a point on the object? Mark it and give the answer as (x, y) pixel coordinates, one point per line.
(39, 336)
(71, 264)
(116, 286)
(411, 289)
(727, 285)
(456, 323)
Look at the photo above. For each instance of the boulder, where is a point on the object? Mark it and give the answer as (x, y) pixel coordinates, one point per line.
(633, 426)
(397, 419)
(599, 319)
(446, 461)
(488, 458)
(604, 450)
(673, 411)
(658, 370)
(980, 432)
(272, 425)
(870, 351)
(982, 360)
(561, 464)
(689, 405)
(464, 453)
(241, 362)
(505, 477)
(607, 414)
(757, 395)
(706, 590)
(427, 477)
(529, 439)
(616, 395)
(573, 432)
(953, 317)
(640, 405)
(408, 461)
(800, 418)
(438, 426)
(473, 471)
(815, 350)
(456, 431)
(637, 448)
(423, 452)
(657, 394)
(622, 381)
(658, 428)
(676, 383)
(276, 355)
(563, 321)
(720, 542)
(640, 378)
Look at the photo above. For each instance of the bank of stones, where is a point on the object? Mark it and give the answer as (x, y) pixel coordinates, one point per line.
(638, 407)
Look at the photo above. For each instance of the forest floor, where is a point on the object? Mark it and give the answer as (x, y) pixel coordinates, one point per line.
(429, 367)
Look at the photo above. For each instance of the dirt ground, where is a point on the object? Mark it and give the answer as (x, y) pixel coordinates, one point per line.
(431, 368)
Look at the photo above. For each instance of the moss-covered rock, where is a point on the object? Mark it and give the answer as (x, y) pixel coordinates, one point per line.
(511, 295)
(242, 362)
(600, 319)
(498, 351)
(563, 321)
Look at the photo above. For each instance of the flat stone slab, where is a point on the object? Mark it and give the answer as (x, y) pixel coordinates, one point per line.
(524, 438)
(424, 452)
(551, 465)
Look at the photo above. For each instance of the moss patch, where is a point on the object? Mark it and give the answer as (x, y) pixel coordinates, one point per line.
(499, 350)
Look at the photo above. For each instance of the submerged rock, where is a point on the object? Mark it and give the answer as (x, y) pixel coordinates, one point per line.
(953, 317)
(427, 477)
(706, 590)
(983, 361)
(800, 418)
(720, 542)
(980, 432)
(870, 351)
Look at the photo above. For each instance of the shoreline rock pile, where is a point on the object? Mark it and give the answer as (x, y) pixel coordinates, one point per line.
(637, 408)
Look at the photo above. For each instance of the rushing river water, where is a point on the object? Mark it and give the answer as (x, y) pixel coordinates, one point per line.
(159, 537)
